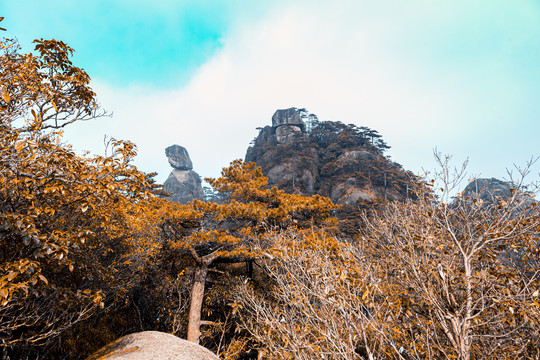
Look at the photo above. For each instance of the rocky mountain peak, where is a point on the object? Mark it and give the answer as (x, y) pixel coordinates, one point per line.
(287, 127)
(288, 117)
(492, 190)
(343, 162)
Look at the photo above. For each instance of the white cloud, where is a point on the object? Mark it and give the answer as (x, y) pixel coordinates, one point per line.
(352, 63)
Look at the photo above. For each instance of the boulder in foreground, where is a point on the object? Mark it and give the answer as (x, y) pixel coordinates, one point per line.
(153, 345)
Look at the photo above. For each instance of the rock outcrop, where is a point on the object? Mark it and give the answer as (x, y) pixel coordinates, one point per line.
(153, 345)
(286, 136)
(350, 193)
(179, 157)
(288, 125)
(183, 183)
(491, 191)
(289, 116)
(488, 189)
(343, 162)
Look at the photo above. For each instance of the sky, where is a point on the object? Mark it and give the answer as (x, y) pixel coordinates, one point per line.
(458, 77)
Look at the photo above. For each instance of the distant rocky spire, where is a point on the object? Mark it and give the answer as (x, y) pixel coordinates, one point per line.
(183, 183)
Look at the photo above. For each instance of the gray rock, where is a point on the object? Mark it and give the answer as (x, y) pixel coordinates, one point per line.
(488, 189)
(350, 193)
(309, 182)
(153, 345)
(288, 117)
(266, 136)
(493, 190)
(288, 172)
(185, 185)
(276, 174)
(179, 157)
(286, 134)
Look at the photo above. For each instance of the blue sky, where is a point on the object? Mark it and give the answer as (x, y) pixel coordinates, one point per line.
(462, 76)
(156, 43)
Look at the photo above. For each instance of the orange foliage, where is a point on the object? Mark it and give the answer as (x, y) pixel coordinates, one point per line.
(62, 216)
(250, 212)
(231, 230)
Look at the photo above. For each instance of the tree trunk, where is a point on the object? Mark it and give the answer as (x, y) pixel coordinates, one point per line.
(466, 327)
(197, 295)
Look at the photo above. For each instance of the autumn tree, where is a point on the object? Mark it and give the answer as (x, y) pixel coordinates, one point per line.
(227, 232)
(44, 91)
(433, 278)
(318, 301)
(464, 272)
(63, 217)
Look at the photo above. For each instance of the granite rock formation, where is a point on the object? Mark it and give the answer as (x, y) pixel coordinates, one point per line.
(289, 116)
(491, 191)
(179, 157)
(288, 125)
(153, 345)
(183, 183)
(488, 189)
(286, 139)
(343, 162)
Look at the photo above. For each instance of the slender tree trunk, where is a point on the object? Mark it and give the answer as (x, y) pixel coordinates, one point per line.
(466, 336)
(197, 295)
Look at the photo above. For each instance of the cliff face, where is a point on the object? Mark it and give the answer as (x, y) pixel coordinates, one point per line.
(343, 162)
(183, 183)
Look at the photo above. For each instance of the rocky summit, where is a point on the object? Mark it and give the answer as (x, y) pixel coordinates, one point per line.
(488, 189)
(183, 183)
(343, 162)
(288, 126)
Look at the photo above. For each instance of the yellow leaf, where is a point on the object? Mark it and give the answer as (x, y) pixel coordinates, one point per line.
(6, 97)
(364, 295)
(12, 275)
